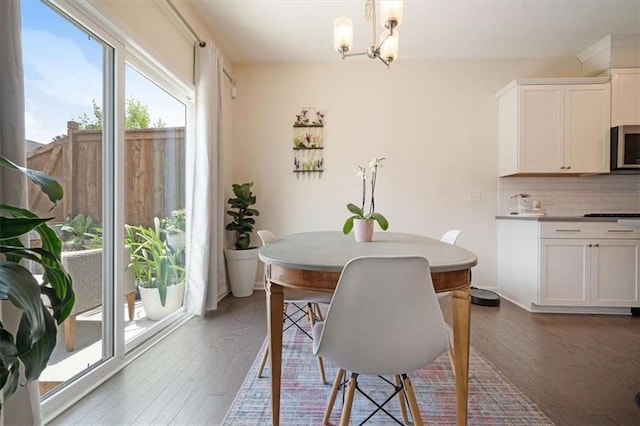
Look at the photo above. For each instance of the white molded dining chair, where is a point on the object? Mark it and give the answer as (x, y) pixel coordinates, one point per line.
(356, 338)
(450, 237)
(301, 300)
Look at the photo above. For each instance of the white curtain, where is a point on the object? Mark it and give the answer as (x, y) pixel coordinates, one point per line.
(205, 194)
(23, 408)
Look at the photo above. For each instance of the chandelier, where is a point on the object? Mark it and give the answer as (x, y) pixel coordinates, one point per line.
(387, 49)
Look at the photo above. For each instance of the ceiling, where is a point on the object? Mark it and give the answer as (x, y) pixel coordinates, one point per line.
(275, 31)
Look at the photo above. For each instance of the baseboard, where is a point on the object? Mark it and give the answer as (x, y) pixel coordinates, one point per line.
(591, 310)
(585, 310)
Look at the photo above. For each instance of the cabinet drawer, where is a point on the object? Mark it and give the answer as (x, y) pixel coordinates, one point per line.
(587, 230)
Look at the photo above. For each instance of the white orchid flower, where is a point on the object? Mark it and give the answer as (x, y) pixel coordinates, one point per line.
(376, 162)
(361, 172)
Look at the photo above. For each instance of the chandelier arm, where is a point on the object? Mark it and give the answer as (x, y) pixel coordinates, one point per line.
(387, 63)
(385, 39)
(345, 55)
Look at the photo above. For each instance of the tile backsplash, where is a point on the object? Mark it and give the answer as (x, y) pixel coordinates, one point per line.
(574, 196)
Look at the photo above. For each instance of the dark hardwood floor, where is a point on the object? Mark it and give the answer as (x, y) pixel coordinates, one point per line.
(579, 369)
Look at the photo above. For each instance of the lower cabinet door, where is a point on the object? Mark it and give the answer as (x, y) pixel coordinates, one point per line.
(565, 269)
(615, 273)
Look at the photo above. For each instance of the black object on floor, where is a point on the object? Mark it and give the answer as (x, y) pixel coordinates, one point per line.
(484, 297)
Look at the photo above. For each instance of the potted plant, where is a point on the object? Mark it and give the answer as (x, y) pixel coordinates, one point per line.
(242, 261)
(173, 228)
(157, 270)
(361, 223)
(79, 233)
(44, 305)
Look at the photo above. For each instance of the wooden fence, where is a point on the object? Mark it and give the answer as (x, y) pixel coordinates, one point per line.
(154, 174)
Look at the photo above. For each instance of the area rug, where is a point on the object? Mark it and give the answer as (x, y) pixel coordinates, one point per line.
(493, 400)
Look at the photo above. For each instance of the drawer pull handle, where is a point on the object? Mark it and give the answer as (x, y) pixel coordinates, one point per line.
(620, 230)
(590, 245)
(568, 230)
(596, 245)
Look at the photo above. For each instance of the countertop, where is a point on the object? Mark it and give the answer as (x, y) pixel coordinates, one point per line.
(567, 218)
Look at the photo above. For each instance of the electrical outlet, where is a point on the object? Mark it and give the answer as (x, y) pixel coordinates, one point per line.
(473, 196)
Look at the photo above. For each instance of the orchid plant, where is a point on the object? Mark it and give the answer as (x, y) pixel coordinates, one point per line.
(358, 212)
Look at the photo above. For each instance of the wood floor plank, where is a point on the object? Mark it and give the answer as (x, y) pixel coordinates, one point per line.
(579, 369)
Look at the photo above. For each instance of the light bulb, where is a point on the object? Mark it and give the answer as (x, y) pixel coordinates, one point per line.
(390, 13)
(389, 47)
(342, 35)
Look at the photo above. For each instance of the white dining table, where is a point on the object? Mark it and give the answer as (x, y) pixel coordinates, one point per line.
(314, 261)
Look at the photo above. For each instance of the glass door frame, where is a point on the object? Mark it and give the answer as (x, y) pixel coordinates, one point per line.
(124, 50)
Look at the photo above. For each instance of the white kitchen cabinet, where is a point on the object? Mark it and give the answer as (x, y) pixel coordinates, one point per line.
(615, 273)
(625, 96)
(598, 272)
(565, 269)
(562, 266)
(557, 128)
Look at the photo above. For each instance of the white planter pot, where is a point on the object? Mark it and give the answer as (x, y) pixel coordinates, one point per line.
(151, 301)
(363, 230)
(176, 241)
(242, 266)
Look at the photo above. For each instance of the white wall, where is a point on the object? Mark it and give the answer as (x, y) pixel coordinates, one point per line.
(435, 121)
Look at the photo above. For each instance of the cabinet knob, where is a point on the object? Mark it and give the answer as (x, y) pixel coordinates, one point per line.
(562, 168)
(568, 167)
(596, 245)
(589, 245)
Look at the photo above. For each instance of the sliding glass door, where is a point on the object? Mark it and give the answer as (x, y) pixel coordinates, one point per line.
(65, 82)
(155, 222)
(110, 124)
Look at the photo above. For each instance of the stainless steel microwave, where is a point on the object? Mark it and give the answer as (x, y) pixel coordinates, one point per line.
(625, 147)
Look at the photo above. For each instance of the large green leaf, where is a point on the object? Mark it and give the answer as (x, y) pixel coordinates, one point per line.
(162, 279)
(355, 209)
(8, 358)
(382, 221)
(18, 285)
(15, 227)
(348, 224)
(47, 184)
(36, 356)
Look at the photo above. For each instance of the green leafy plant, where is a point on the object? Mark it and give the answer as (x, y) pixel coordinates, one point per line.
(44, 304)
(79, 233)
(243, 222)
(358, 212)
(153, 262)
(175, 223)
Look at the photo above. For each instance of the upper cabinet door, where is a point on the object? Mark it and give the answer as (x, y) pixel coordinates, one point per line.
(541, 128)
(554, 128)
(587, 131)
(625, 96)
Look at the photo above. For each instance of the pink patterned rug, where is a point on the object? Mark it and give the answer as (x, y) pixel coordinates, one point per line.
(493, 400)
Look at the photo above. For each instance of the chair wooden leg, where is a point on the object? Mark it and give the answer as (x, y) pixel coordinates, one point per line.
(332, 396)
(265, 356)
(413, 403)
(451, 360)
(318, 311)
(69, 327)
(348, 402)
(403, 407)
(131, 304)
(312, 322)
